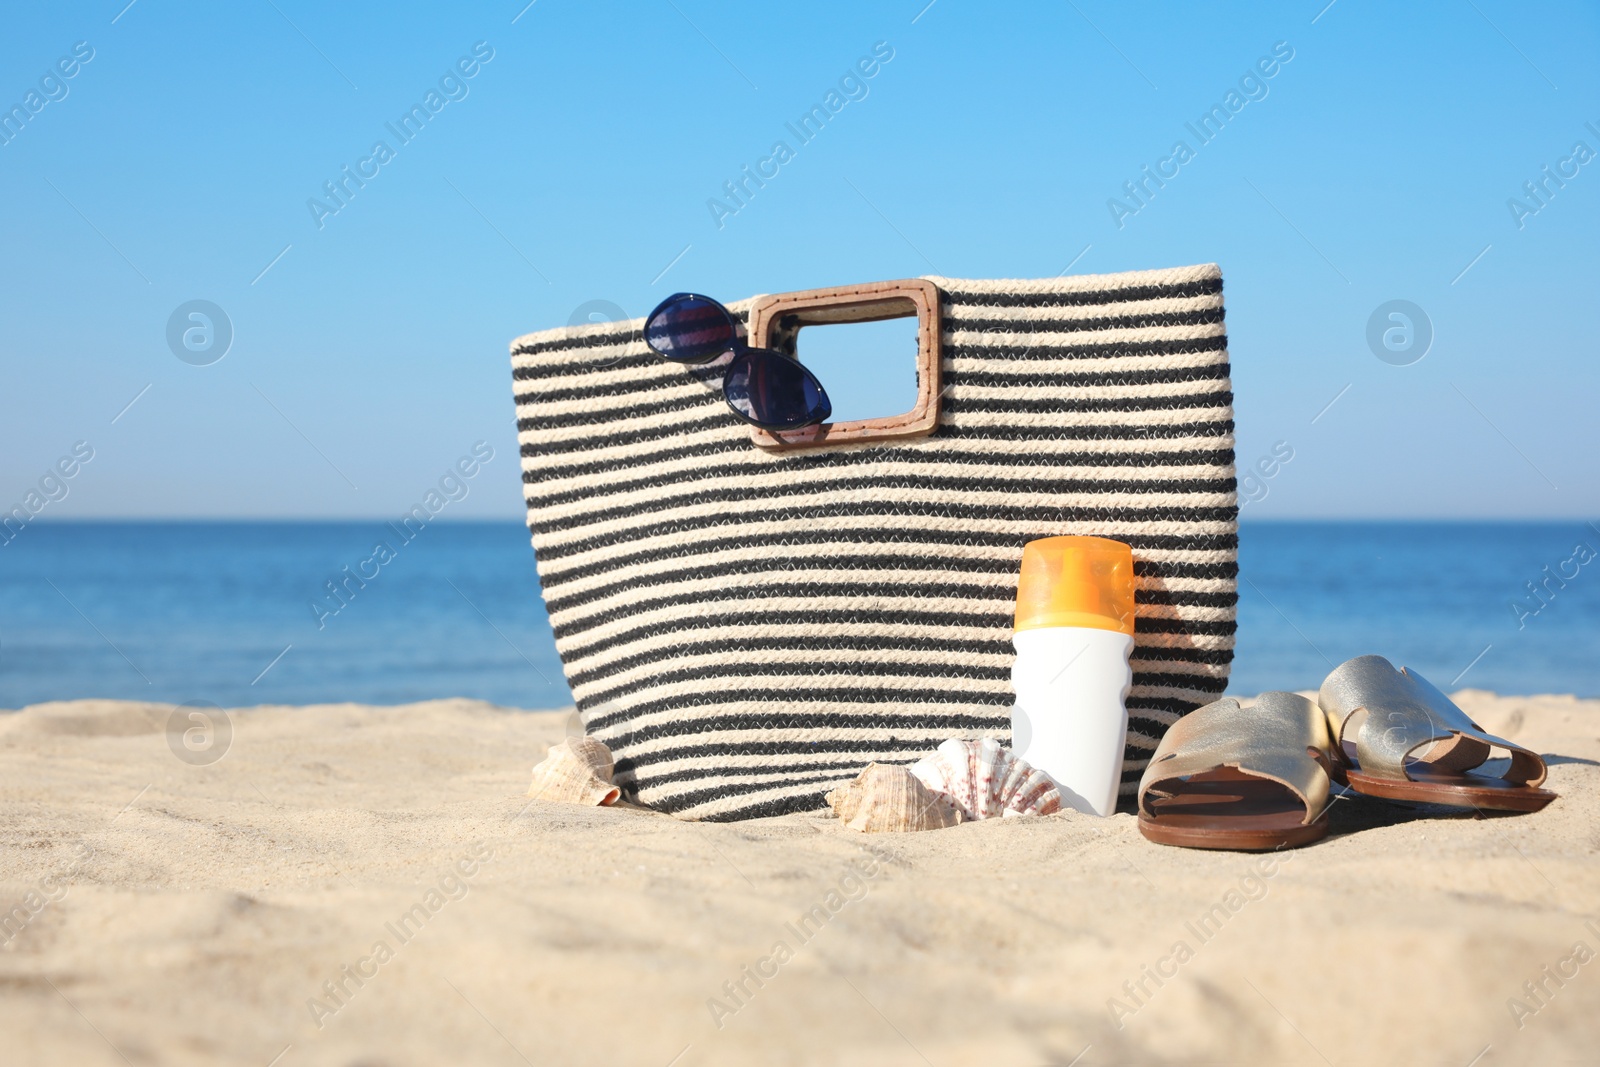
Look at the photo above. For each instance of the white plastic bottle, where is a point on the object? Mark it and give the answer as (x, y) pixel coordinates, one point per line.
(1074, 632)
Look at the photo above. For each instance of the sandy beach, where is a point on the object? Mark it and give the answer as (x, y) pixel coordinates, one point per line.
(359, 885)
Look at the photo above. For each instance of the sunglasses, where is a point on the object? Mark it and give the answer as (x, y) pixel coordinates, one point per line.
(763, 387)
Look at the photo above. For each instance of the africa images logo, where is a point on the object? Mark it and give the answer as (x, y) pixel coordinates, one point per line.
(1252, 86)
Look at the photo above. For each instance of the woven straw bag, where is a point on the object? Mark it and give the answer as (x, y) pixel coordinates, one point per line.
(747, 622)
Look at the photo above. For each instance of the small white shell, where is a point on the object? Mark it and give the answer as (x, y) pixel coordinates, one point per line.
(887, 799)
(577, 771)
(984, 780)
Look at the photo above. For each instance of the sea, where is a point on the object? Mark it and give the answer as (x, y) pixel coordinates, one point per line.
(239, 614)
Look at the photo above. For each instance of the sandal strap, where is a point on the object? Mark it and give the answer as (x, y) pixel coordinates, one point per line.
(1405, 712)
(1274, 738)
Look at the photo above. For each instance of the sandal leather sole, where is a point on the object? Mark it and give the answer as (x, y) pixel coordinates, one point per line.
(1231, 811)
(1424, 786)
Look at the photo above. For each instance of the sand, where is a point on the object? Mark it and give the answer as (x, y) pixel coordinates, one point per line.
(168, 911)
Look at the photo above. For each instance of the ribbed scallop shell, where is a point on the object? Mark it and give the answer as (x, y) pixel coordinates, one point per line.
(984, 780)
(577, 771)
(888, 799)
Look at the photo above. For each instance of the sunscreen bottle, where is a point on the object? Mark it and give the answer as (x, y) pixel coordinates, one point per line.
(1074, 632)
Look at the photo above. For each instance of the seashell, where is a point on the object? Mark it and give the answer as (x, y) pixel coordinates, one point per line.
(577, 771)
(888, 799)
(984, 780)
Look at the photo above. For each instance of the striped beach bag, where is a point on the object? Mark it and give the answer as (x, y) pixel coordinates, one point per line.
(747, 620)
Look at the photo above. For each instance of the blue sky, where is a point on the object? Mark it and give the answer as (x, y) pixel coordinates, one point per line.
(578, 162)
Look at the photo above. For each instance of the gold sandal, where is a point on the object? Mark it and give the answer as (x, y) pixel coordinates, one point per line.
(1247, 779)
(1381, 717)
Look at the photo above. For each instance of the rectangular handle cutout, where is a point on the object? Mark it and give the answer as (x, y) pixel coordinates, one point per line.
(775, 321)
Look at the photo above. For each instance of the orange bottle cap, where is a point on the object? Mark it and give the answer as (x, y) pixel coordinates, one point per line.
(1076, 581)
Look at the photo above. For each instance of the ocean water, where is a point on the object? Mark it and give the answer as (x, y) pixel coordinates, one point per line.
(1434, 596)
(223, 612)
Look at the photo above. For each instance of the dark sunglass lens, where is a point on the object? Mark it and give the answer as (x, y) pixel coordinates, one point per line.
(775, 392)
(689, 329)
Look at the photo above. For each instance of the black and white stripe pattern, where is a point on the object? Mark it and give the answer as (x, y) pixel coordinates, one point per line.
(746, 629)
